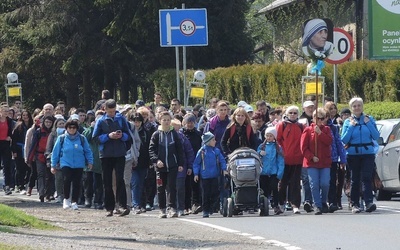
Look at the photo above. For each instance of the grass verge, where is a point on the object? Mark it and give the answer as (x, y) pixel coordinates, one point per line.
(15, 218)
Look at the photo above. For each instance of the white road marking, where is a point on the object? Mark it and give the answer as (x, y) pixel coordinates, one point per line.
(228, 230)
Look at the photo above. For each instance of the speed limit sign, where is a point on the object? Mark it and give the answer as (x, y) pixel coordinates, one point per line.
(344, 47)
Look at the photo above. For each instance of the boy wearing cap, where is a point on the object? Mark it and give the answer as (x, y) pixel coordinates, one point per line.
(273, 167)
(208, 164)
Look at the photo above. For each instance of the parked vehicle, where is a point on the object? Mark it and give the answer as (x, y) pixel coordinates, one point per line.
(388, 158)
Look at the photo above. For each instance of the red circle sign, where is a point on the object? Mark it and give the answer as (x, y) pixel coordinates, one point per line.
(344, 47)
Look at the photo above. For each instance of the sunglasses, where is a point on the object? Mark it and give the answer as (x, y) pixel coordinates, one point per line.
(292, 113)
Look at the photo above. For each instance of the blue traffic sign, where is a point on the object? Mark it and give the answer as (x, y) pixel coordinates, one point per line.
(183, 27)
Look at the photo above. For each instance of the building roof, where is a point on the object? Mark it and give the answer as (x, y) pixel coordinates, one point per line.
(274, 5)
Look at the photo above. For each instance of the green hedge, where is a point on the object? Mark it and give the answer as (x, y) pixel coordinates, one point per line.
(374, 81)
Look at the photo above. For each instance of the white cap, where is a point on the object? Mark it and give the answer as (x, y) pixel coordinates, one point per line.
(248, 108)
(308, 104)
(242, 104)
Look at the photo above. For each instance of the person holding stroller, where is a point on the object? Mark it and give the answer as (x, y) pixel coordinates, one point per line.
(272, 167)
(206, 167)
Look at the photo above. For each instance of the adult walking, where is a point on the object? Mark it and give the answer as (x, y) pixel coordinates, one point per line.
(112, 132)
(315, 146)
(6, 128)
(358, 134)
(72, 153)
(18, 142)
(288, 137)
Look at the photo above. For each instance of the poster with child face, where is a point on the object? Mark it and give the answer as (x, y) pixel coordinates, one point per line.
(317, 42)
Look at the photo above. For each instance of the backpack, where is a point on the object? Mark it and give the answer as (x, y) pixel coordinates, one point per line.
(301, 126)
(248, 131)
(62, 138)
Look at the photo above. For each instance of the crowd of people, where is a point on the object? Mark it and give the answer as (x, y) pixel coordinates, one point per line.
(126, 158)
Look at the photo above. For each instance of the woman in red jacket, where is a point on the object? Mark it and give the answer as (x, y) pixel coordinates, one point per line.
(315, 146)
(289, 132)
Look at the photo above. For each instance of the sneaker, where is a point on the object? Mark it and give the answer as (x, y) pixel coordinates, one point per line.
(196, 209)
(29, 193)
(136, 210)
(370, 207)
(277, 210)
(148, 207)
(59, 199)
(7, 191)
(23, 192)
(333, 208)
(355, 210)
(181, 213)
(125, 212)
(318, 211)
(88, 203)
(288, 206)
(74, 206)
(117, 211)
(143, 210)
(188, 211)
(163, 214)
(296, 210)
(66, 204)
(340, 207)
(307, 207)
(109, 213)
(173, 213)
(325, 208)
(206, 214)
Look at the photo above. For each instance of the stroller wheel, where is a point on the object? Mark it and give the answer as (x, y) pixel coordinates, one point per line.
(230, 207)
(264, 207)
(225, 207)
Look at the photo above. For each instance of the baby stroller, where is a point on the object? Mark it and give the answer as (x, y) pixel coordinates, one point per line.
(244, 166)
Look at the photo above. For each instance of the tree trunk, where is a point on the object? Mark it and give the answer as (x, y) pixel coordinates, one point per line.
(72, 92)
(87, 89)
(124, 84)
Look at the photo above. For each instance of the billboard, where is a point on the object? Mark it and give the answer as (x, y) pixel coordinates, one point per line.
(384, 29)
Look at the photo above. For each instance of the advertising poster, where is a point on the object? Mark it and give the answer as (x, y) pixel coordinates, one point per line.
(384, 29)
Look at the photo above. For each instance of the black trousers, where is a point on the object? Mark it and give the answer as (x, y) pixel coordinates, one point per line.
(72, 176)
(93, 186)
(291, 177)
(166, 188)
(150, 188)
(5, 158)
(269, 184)
(22, 171)
(118, 164)
(210, 194)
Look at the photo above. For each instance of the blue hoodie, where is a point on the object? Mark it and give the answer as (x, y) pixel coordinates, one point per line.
(205, 163)
(72, 154)
(273, 162)
(111, 147)
(359, 138)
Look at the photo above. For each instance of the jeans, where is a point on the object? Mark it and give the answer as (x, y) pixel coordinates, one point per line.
(362, 167)
(319, 183)
(127, 181)
(180, 193)
(137, 185)
(74, 176)
(306, 186)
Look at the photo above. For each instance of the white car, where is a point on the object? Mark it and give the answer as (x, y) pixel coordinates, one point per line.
(388, 158)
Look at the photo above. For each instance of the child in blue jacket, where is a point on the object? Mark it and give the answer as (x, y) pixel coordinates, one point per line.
(208, 164)
(273, 167)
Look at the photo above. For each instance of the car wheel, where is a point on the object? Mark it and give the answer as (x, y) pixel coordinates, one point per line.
(382, 195)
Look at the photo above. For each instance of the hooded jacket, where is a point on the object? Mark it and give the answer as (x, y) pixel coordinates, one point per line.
(288, 137)
(323, 153)
(188, 155)
(359, 139)
(71, 153)
(112, 147)
(273, 162)
(166, 146)
(338, 152)
(206, 163)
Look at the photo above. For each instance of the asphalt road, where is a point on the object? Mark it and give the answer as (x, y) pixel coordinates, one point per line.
(338, 231)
